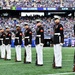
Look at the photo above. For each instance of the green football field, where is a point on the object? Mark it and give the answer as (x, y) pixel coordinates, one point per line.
(19, 68)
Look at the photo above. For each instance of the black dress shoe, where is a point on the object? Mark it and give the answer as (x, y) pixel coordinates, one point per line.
(27, 62)
(8, 59)
(17, 61)
(1, 58)
(39, 65)
(58, 67)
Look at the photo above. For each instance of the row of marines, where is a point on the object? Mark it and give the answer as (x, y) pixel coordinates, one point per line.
(5, 43)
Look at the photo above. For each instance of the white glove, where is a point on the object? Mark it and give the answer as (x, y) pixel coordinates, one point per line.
(38, 35)
(61, 44)
(29, 45)
(41, 44)
(3, 44)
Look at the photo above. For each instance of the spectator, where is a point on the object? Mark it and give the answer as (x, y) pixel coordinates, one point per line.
(48, 23)
(37, 3)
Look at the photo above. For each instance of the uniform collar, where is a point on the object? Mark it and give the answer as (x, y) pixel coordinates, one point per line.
(27, 28)
(39, 26)
(57, 24)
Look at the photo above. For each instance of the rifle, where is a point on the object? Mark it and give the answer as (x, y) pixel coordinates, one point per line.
(15, 57)
(25, 56)
(5, 54)
(36, 59)
(53, 62)
(74, 62)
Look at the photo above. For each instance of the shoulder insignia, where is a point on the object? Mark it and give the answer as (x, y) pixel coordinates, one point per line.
(30, 32)
(3, 35)
(21, 34)
(41, 30)
(9, 34)
(61, 28)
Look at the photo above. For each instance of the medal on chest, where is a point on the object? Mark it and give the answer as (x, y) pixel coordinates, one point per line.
(16, 32)
(56, 26)
(26, 31)
(37, 29)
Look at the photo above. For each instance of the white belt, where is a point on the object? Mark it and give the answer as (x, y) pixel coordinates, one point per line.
(27, 37)
(16, 37)
(38, 35)
(57, 34)
(1, 39)
(6, 38)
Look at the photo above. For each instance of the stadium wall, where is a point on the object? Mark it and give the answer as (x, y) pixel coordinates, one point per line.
(67, 43)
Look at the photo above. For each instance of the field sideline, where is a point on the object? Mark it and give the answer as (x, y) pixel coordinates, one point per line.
(18, 68)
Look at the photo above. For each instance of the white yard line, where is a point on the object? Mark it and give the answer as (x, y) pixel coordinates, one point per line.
(22, 62)
(61, 73)
(62, 60)
(10, 63)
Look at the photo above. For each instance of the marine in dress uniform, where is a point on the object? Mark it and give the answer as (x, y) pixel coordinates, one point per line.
(18, 42)
(8, 43)
(2, 42)
(39, 43)
(74, 29)
(27, 43)
(58, 42)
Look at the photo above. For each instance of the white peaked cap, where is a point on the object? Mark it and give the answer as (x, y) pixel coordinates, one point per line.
(56, 16)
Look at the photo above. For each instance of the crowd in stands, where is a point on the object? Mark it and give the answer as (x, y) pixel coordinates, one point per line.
(37, 3)
(48, 23)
